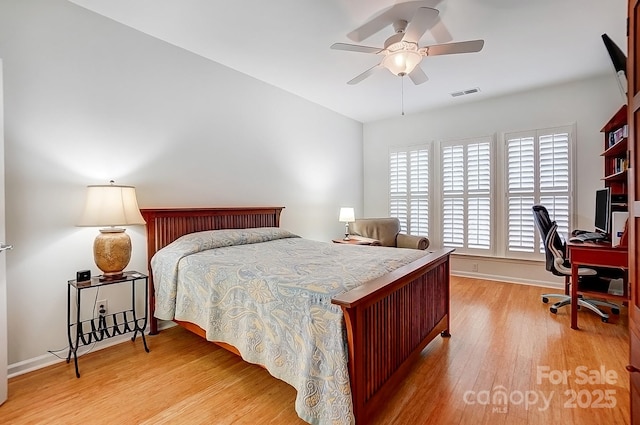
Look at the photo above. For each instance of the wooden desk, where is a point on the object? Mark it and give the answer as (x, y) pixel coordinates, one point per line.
(598, 254)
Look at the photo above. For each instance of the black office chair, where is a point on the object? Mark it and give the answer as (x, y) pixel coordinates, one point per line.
(558, 264)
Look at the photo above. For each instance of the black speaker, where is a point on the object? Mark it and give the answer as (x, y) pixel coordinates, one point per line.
(619, 199)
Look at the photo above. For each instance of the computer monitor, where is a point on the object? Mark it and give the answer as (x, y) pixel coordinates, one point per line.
(603, 210)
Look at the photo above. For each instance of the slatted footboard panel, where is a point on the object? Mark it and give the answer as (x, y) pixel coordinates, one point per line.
(390, 326)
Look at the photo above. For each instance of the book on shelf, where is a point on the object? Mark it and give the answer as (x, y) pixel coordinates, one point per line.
(619, 165)
(618, 135)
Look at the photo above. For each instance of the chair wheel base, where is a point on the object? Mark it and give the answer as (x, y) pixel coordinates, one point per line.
(553, 310)
(605, 320)
(545, 300)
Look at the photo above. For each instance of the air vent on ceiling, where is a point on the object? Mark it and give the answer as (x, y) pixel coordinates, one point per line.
(465, 92)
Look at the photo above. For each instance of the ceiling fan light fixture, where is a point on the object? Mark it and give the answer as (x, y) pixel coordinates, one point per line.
(401, 58)
(401, 54)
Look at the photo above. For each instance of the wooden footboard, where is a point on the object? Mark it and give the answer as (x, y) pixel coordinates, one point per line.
(390, 320)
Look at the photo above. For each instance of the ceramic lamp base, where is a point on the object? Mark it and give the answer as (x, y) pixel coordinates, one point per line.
(112, 251)
(346, 231)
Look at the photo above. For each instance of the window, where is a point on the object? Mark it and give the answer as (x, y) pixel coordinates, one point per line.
(409, 189)
(538, 171)
(484, 191)
(466, 194)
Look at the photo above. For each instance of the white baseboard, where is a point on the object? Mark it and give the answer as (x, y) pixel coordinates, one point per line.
(510, 279)
(49, 359)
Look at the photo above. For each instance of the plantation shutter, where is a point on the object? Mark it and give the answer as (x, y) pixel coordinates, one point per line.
(409, 189)
(419, 193)
(521, 185)
(479, 187)
(453, 199)
(398, 193)
(466, 194)
(554, 178)
(538, 171)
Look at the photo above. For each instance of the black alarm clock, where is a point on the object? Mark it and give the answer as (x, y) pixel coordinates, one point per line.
(83, 276)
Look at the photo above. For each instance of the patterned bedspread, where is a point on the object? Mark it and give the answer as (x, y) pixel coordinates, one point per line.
(268, 293)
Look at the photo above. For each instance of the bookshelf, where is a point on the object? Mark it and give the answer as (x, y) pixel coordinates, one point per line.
(615, 154)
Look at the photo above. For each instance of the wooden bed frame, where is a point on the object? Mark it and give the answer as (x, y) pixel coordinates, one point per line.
(389, 320)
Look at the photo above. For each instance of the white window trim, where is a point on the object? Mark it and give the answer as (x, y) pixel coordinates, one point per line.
(429, 147)
(502, 176)
(491, 139)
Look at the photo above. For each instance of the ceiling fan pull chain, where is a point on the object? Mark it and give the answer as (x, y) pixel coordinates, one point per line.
(402, 93)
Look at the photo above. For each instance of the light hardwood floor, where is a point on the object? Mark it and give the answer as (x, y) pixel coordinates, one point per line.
(503, 339)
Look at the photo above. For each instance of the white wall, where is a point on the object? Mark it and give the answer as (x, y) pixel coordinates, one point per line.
(589, 104)
(88, 100)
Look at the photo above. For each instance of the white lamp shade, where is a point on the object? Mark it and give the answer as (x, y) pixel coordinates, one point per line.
(110, 205)
(347, 215)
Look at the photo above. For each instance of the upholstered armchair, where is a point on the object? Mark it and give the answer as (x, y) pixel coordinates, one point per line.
(387, 232)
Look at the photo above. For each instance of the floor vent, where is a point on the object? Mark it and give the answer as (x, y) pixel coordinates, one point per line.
(465, 92)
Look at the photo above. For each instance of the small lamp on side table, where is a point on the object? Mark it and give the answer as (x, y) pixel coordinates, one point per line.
(111, 205)
(347, 215)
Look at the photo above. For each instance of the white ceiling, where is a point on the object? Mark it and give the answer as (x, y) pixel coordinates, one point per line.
(528, 44)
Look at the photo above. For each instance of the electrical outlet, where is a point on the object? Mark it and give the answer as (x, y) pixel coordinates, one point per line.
(102, 308)
(474, 267)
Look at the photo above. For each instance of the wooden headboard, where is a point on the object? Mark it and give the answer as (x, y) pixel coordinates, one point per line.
(165, 225)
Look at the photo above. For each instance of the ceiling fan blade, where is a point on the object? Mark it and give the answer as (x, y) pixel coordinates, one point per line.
(364, 75)
(368, 29)
(454, 48)
(355, 48)
(386, 17)
(418, 76)
(424, 18)
(440, 32)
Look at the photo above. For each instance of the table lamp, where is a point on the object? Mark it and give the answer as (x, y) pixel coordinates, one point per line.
(347, 215)
(111, 205)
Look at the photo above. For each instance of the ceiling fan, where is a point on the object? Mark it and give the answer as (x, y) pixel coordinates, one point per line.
(401, 54)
